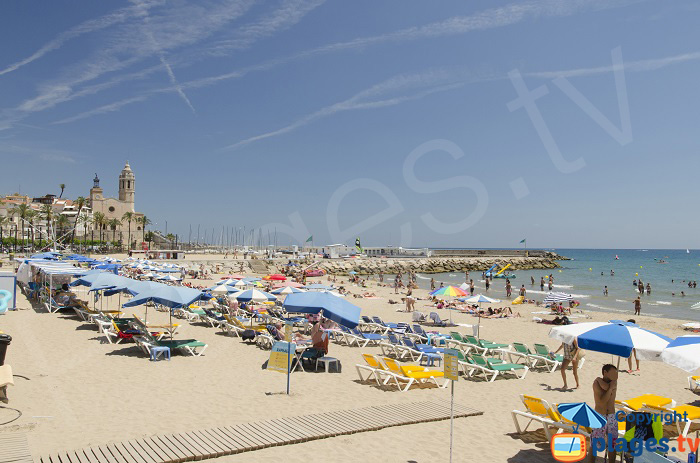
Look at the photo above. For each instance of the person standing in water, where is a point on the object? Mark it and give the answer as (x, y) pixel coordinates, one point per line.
(638, 306)
(471, 287)
(532, 280)
(648, 289)
(605, 291)
(542, 284)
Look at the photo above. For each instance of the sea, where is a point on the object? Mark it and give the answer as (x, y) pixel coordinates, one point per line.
(589, 271)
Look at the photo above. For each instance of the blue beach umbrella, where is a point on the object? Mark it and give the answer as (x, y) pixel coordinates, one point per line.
(335, 308)
(287, 290)
(615, 337)
(582, 415)
(253, 295)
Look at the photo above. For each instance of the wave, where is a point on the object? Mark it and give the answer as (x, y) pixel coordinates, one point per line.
(580, 296)
(621, 300)
(664, 302)
(418, 275)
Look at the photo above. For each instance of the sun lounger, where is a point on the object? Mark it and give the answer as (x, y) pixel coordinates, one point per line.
(375, 368)
(456, 341)
(363, 339)
(187, 346)
(490, 367)
(407, 375)
(694, 383)
(693, 414)
(367, 325)
(532, 358)
(638, 403)
(543, 351)
(538, 410)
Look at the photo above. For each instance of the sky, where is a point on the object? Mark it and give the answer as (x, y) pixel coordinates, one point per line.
(571, 123)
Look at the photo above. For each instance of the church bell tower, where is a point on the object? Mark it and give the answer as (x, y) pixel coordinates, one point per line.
(126, 186)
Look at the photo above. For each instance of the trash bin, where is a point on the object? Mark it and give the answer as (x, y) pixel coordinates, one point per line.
(5, 340)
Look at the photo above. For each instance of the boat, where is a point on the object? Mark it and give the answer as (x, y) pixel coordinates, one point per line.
(687, 251)
(505, 275)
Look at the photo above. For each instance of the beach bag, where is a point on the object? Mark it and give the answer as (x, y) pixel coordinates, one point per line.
(248, 335)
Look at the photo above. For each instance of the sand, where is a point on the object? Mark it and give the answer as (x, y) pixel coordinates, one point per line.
(84, 392)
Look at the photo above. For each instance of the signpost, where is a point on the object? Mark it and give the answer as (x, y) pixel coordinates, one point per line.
(451, 373)
(281, 358)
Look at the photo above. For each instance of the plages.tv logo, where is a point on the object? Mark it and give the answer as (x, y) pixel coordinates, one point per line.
(568, 447)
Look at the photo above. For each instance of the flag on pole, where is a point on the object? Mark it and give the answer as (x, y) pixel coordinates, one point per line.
(310, 239)
(522, 241)
(358, 246)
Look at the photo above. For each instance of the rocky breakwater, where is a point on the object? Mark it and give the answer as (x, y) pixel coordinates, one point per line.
(436, 265)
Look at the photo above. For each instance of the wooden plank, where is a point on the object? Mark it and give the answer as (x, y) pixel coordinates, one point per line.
(227, 444)
(304, 422)
(162, 449)
(303, 431)
(198, 450)
(116, 453)
(108, 457)
(172, 451)
(217, 449)
(233, 444)
(236, 437)
(283, 429)
(156, 452)
(181, 450)
(240, 434)
(208, 449)
(145, 453)
(91, 456)
(269, 440)
(129, 452)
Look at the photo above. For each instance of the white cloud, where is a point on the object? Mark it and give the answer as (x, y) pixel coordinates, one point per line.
(631, 66)
(391, 92)
(101, 110)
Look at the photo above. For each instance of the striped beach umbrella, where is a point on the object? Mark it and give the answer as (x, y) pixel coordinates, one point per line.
(614, 337)
(448, 291)
(292, 284)
(557, 297)
(254, 295)
(222, 289)
(478, 299)
(683, 352)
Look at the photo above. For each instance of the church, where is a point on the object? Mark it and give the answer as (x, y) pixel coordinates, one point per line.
(115, 208)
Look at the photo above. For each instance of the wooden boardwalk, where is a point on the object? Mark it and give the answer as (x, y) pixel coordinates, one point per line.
(229, 440)
(14, 448)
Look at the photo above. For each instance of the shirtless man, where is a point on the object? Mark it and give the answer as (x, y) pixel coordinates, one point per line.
(604, 393)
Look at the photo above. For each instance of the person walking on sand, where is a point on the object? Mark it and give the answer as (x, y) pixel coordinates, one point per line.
(638, 306)
(571, 356)
(409, 299)
(604, 394)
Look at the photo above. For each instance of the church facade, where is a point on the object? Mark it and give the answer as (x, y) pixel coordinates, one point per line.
(116, 208)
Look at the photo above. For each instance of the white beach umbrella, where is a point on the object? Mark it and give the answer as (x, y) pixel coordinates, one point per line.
(223, 289)
(683, 352)
(253, 295)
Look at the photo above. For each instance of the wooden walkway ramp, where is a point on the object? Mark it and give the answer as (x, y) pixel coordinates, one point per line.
(14, 448)
(228, 440)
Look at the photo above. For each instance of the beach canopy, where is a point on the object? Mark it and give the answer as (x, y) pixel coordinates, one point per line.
(478, 299)
(448, 291)
(292, 284)
(683, 352)
(582, 414)
(222, 289)
(253, 295)
(46, 255)
(287, 290)
(335, 308)
(169, 296)
(615, 337)
(557, 297)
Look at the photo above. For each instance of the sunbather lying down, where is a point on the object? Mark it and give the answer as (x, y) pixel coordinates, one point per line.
(557, 321)
(505, 312)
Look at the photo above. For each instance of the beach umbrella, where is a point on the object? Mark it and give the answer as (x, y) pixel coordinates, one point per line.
(318, 286)
(581, 414)
(288, 284)
(222, 289)
(168, 278)
(226, 281)
(276, 277)
(239, 284)
(250, 280)
(170, 296)
(253, 295)
(335, 308)
(478, 299)
(287, 290)
(448, 291)
(557, 297)
(614, 337)
(233, 277)
(683, 352)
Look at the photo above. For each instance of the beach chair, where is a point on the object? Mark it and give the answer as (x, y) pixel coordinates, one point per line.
(375, 368)
(693, 415)
(391, 346)
(215, 320)
(694, 383)
(543, 351)
(365, 339)
(458, 342)
(418, 317)
(521, 351)
(185, 346)
(385, 326)
(425, 352)
(367, 325)
(407, 375)
(436, 321)
(539, 410)
(418, 333)
(481, 345)
(490, 367)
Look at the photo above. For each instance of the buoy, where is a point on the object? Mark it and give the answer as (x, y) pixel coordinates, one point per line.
(641, 266)
(636, 274)
(590, 269)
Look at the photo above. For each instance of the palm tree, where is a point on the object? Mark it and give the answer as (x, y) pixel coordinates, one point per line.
(85, 221)
(47, 212)
(128, 217)
(145, 221)
(4, 220)
(149, 237)
(98, 219)
(31, 215)
(62, 186)
(113, 224)
(21, 210)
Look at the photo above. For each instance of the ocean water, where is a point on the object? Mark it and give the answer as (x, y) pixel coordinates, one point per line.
(581, 277)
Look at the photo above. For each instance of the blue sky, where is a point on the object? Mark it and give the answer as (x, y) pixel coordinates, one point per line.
(394, 121)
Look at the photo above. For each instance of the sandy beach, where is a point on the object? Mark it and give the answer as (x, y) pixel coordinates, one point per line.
(81, 391)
